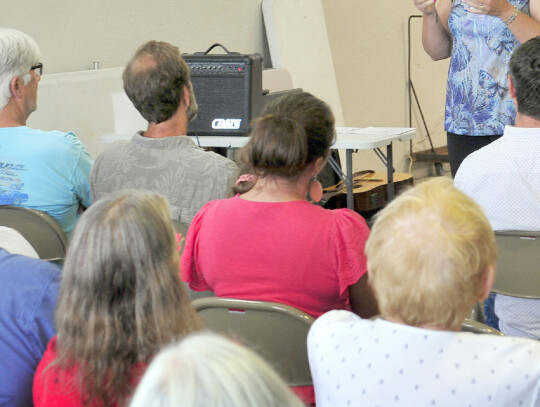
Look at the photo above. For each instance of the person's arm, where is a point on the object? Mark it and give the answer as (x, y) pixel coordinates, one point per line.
(363, 302)
(80, 176)
(436, 37)
(522, 26)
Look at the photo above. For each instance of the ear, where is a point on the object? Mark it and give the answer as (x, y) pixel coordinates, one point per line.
(318, 164)
(15, 86)
(486, 282)
(512, 88)
(186, 96)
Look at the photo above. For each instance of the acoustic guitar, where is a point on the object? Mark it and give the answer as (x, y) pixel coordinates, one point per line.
(369, 189)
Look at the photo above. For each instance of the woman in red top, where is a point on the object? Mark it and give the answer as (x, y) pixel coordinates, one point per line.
(120, 301)
(269, 243)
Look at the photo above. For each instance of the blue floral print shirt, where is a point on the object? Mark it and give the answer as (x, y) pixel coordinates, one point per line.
(477, 98)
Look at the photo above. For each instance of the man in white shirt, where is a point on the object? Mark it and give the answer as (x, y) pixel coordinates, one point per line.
(504, 179)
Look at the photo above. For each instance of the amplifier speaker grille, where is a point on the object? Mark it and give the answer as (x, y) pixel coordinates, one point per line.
(228, 89)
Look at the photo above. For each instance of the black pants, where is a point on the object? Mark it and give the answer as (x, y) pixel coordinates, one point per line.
(460, 147)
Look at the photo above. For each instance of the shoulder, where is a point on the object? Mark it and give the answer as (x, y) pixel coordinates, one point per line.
(118, 148)
(46, 380)
(28, 285)
(50, 353)
(528, 349)
(347, 222)
(68, 138)
(512, 353)
(477, 163)
(210, 209)
(15, 268)
(217, 160)
(31, 279)
(216, 204)
(330, 322)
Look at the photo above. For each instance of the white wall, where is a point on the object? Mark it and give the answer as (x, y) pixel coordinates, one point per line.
(368, 39)
(369, 46)
(74, 33)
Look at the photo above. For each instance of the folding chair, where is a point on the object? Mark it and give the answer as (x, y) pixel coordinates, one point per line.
(277, 332)
(518, 266)
(469, 325)
(42, 232)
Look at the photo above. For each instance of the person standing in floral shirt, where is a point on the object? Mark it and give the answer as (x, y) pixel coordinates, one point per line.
(479, 36)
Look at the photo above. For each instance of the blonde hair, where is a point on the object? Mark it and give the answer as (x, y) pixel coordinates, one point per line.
(427, 253)
(121, 298)
(208, 370)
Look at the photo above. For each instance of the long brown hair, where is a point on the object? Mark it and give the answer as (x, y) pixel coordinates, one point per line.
(121, 298)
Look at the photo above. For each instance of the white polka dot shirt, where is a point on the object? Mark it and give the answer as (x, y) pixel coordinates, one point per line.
(504, 179)
(357, 362)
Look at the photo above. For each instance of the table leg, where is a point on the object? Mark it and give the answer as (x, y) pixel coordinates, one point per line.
(390, 172)
(349, 180)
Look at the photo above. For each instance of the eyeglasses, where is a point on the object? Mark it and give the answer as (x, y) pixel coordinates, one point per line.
(39, 66)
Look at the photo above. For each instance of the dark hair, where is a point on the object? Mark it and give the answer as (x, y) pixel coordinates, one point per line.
(525, 71)
(293, 132)
(242, 186)
(154, 80)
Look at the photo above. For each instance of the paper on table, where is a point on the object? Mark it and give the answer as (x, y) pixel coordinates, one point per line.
(384, 131)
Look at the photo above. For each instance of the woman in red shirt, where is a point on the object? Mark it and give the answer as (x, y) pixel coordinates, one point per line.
(269, 243)
(120, 301)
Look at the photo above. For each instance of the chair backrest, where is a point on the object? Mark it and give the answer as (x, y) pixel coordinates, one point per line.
(42, 232)
(277, 332)
(518, 265)
(469, 325)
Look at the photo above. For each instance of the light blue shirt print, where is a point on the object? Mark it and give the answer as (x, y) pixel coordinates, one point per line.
(477, 98)
(45, 170)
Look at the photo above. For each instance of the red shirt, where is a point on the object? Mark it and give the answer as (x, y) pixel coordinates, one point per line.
(293, 253)
(56, 387)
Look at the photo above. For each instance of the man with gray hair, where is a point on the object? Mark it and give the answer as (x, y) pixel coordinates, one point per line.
(44, 170)
(504, 179)
(162, 158)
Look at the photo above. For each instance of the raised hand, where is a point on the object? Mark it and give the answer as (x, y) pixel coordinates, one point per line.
(427, 7)
(498, 8)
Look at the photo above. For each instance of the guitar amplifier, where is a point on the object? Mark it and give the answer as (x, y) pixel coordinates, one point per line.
(228, 88)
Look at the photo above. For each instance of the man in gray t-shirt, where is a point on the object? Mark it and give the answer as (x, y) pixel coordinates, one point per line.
(162, 158)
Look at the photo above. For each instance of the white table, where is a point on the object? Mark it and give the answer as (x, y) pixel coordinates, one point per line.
(348, 138)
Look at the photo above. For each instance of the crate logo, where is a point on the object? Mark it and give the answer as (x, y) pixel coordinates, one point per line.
(226, 124)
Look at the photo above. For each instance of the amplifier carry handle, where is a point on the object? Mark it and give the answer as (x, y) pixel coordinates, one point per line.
(214, 46)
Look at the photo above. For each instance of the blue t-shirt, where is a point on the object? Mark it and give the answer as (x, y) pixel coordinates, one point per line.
(477, 98)
(28, 293)
(45, 170)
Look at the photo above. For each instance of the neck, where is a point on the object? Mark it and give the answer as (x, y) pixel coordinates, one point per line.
(175, 126)
(427, 326)
(526, 121)
(12, 116)
(274, 189)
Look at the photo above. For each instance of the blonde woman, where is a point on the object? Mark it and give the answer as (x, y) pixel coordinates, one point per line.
(431, 256)
(120, 301)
